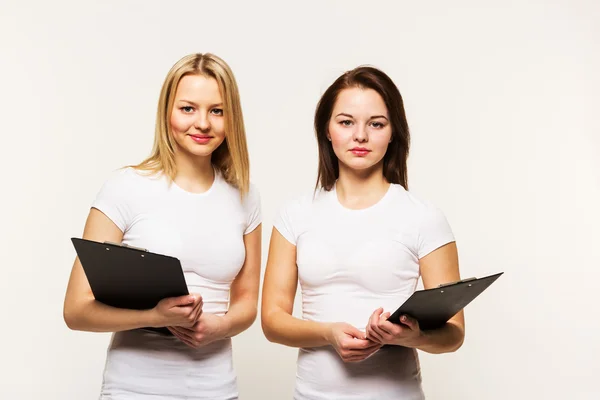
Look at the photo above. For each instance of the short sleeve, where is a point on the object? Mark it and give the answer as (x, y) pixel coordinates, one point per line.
(112, 200)
(434, 231)
(253, 209)
(284, 223)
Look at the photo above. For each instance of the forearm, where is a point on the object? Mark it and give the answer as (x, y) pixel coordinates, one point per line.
(240, 316)
(446, 339)
(93, 316)
(283, 328)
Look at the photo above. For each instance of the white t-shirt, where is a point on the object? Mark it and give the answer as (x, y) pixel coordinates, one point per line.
(205, 232)
(351, 262)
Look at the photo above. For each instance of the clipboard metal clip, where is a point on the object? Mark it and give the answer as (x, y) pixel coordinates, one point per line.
(126, 245)
(454, 283)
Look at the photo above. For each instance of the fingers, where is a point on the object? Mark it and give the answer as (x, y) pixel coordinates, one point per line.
(410, 322)
(383, 326)
(356, 348)
(183, 300)
(382, 331)
(182, 337)
(188, 336)
(197, 312)
(373, 333)
(354, 332)
(189, 311)
(353, 346)
(360, 344)
(360, 355)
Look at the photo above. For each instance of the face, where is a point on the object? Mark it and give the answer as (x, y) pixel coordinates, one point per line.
(359, 128)
(197, 122)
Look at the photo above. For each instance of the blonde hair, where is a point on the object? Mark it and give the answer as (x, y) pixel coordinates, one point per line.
(231, 157)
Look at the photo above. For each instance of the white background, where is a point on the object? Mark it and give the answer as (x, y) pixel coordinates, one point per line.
(502, 102)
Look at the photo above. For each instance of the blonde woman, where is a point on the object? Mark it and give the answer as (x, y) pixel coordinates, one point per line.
(191, 199)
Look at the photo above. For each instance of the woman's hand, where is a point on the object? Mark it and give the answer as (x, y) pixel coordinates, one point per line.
(380, 330)
(209, 328)
(178, 311)
(350, 343)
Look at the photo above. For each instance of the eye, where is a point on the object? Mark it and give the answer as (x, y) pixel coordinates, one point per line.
(377, 125)
(217, 111)
(187, 109)
(346, 122)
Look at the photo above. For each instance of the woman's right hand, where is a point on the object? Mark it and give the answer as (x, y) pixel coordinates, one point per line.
(350, 343)
(178, 311)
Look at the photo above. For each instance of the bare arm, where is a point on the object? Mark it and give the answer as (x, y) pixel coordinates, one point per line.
(242, 305)
(441, 266)
(243, 302)
(278, 323)
(279, 290)
(81, 310)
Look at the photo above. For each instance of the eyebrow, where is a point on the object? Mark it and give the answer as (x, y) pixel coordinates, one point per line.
(373, 117)
(194, 104)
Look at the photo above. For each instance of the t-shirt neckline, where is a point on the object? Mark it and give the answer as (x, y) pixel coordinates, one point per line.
(379, 203)
(216, 180)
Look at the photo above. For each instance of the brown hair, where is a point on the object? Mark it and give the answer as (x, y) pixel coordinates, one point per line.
(395, 159)
(231, 157)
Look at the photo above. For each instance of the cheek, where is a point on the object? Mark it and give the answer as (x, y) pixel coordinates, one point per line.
(179, 123)
(338, 136)
(380, 141)
(218, 126)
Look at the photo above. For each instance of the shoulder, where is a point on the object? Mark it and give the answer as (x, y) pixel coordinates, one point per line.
(229, 192)
(128, 175)
(118, 181)
(414, 203)
(303, 203)
(253, 195)
(293, 215)
(127, 184)
(120, 196)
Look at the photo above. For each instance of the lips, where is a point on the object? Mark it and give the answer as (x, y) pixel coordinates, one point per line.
(360, 151)
(201, 139)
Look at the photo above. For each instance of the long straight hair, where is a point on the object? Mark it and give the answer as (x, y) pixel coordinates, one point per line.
(396, 156)
(231, 157)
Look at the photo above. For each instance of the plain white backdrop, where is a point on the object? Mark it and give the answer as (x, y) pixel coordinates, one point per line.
(501, 99)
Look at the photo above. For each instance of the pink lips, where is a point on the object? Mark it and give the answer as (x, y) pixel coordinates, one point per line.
(201, 139)
(360, 151)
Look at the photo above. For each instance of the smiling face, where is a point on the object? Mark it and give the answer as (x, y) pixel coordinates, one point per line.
(359, 129)
(197, 122)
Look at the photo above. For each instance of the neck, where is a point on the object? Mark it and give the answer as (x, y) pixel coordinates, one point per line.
(361, 189)
(194, 174)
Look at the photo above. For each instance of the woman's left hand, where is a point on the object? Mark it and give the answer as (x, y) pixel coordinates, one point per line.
(209, 328)
(380, 330)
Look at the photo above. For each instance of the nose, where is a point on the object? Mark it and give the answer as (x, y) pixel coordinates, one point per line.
(202, 123)
(360, 134)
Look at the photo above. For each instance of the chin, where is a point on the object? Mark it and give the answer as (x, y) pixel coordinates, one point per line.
(199, 152)
(360, 165)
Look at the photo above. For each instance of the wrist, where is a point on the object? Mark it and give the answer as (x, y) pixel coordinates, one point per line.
(422, 339)
(327, 332)
(226, 326)
(151, 318)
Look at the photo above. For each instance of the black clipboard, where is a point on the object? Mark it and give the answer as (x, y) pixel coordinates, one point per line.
(129, 277)
(432, 308)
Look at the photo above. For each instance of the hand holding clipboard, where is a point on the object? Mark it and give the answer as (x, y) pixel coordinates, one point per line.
(432, 308)
(128, 277)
